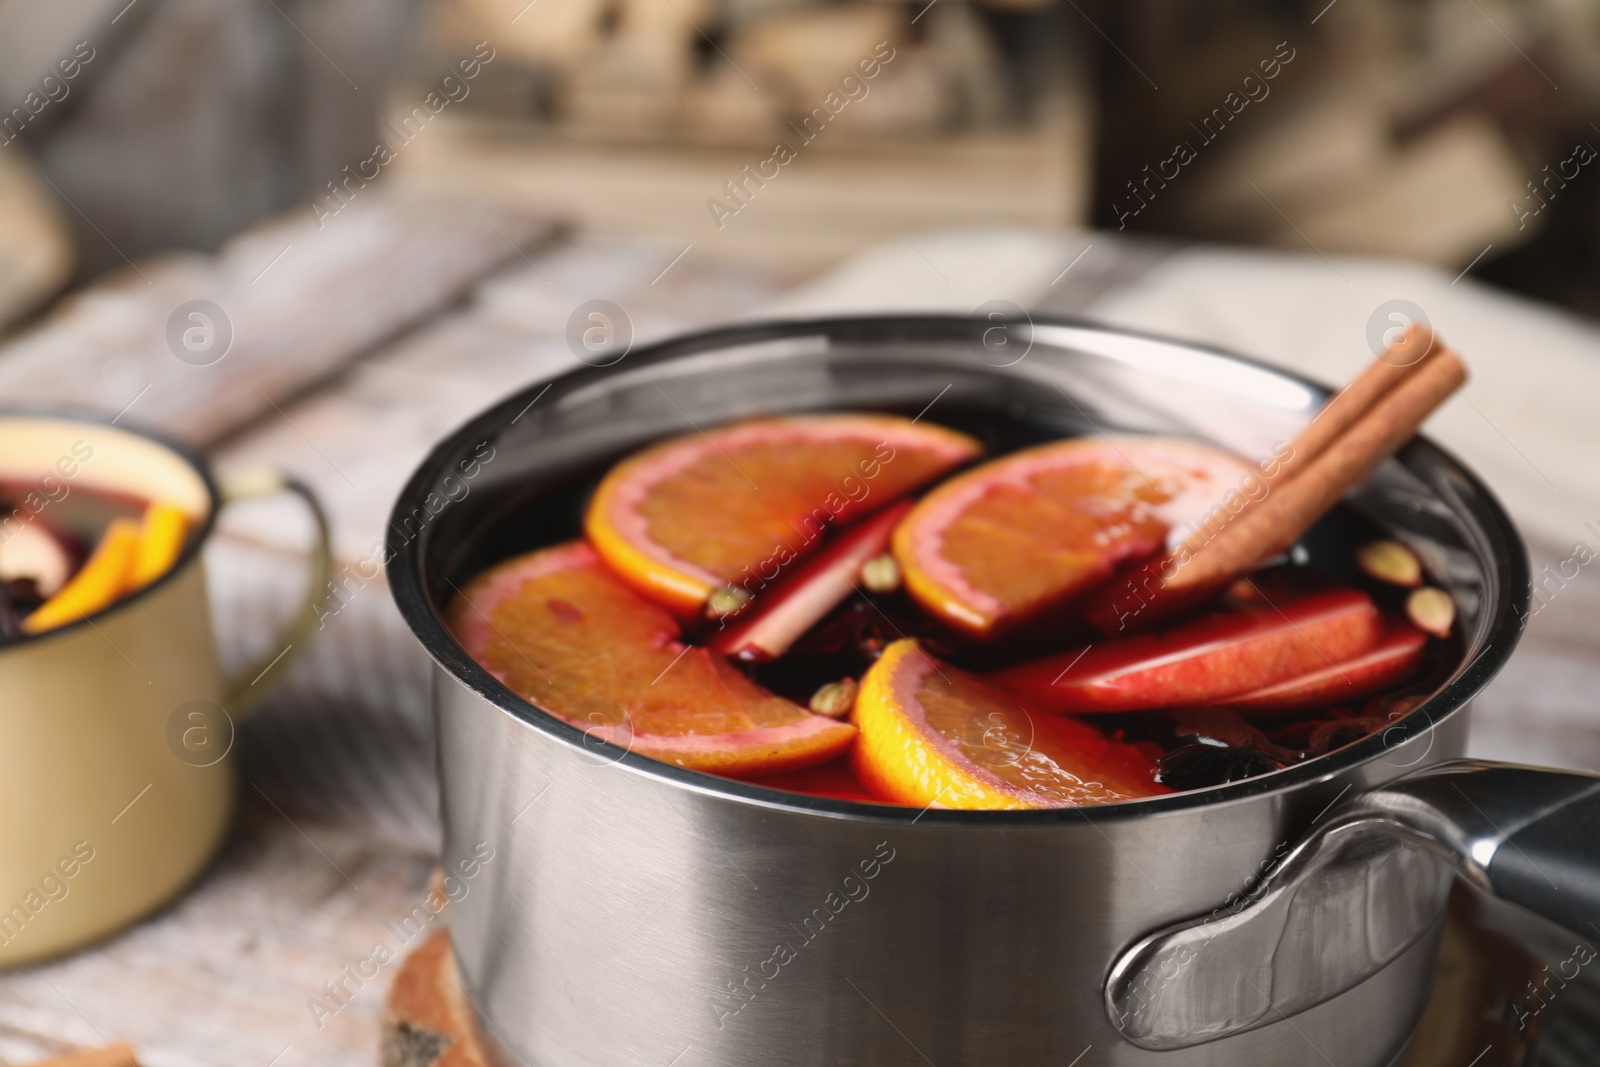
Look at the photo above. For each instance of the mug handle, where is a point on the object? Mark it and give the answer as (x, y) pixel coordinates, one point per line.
(242, 694)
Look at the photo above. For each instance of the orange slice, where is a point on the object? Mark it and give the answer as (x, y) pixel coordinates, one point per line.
(736, 505)
(1021, 534)
(934, 735)
(99, 582)
(559, 630)
(161, 536)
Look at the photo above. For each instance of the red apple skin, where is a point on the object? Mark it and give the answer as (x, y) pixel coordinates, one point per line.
(780, 616)
(1396, 657)
(1204, 660)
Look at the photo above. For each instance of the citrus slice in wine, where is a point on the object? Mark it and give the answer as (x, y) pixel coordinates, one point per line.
(559, 630)
(1014, 537)
(736, 505)
(933, 735)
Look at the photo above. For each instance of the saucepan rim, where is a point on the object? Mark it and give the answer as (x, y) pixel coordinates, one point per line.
(1506, 564)
(191, 551)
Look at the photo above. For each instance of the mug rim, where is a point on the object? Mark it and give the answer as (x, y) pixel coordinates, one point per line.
(1507, 574)
(191, 551)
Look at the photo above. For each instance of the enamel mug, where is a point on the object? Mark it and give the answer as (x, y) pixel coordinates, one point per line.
(115, 783)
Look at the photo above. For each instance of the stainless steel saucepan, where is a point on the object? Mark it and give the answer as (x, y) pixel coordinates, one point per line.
(637, 913)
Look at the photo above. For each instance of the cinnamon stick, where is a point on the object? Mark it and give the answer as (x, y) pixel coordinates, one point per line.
(1289, 511)
(1380, 377)
(1196, 570)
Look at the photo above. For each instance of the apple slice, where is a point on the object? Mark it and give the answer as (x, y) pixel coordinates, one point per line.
(1396, 656)
(778, 617)
(32, 551)
(1204, 660)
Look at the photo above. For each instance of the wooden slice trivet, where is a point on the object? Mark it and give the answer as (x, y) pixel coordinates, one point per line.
(1479, 974)
(427, 1021)
(118, 1055)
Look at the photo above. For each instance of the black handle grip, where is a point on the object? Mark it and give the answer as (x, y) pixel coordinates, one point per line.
(1551, 864)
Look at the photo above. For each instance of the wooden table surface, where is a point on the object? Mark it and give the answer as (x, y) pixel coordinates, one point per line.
(338, 825)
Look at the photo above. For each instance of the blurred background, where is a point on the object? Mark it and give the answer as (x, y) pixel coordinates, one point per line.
(1450, 132)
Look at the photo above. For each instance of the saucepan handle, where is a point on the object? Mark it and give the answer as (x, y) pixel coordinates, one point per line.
(1528, 835)
(1552, 865)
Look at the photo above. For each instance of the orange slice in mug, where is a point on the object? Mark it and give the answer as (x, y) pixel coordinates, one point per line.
(738, 504)
(559, 630)
(161, 537)
(932, 735)
(96, 585)
(1016, 536)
